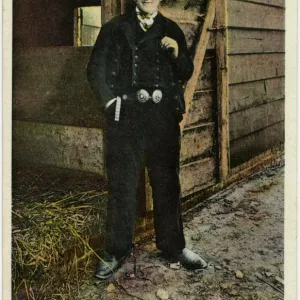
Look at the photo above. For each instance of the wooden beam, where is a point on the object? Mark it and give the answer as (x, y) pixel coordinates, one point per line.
(198, 59)
(109, 9)
(222, 90)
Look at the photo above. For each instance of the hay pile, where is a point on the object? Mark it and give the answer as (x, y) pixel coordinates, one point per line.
(56, 227)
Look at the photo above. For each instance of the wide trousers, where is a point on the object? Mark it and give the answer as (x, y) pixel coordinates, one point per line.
(147, 135)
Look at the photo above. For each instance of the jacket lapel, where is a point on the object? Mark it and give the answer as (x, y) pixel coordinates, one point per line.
(156, 30)
(127, 28)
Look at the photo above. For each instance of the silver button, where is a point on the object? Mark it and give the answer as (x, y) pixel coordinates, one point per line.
(113, 73)
(135, 65)
(136, 56)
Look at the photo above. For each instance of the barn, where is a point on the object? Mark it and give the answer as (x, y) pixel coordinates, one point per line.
(234, 122)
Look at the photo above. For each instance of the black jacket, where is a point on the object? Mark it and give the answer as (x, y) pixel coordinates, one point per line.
(125, 59)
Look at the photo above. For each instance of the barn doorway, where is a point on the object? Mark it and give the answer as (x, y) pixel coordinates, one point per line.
(87, 24)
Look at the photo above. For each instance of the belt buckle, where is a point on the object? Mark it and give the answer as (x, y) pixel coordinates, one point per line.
(157, 96)
(142, 95)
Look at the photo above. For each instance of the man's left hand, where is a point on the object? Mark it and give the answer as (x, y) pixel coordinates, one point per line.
(168, 43)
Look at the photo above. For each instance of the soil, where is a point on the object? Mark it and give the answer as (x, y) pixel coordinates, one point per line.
(239, 233)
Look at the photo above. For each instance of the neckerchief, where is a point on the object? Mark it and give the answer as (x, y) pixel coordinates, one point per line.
(146, 20)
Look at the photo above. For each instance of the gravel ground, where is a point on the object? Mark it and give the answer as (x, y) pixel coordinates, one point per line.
(240, 234)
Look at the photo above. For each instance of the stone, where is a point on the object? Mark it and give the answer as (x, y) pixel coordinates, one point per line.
(162, 294)
(225, 286)
(218, 267)
(280, 280)
(233, 293)
(239, 274)
(271, 268)
(110, 288)
(175, 266)
(269, 274)
(240, 214)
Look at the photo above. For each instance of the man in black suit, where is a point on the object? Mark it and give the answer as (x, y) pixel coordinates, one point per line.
(137, 68)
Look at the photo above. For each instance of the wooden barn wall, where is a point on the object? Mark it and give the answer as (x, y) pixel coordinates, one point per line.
(256, 77)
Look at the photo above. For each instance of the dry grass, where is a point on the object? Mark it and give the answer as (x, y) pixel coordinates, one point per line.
(57, 224)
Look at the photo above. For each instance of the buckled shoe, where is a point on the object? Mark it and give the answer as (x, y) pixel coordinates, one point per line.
(191, 260)
(108, 266)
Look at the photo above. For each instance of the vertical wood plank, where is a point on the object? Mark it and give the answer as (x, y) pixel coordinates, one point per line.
(198, 59)
(222, 89)
(110, 9)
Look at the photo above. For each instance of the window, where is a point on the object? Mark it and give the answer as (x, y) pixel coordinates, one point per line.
(87, 24)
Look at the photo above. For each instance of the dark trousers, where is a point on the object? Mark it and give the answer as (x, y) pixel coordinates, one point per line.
(147, 134)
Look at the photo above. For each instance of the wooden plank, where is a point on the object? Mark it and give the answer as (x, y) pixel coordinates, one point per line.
(198, 59)
(255, 118)
(243, 68)
(279, 3)
(201, 109)
(256, 163)
(243, 149)
(196, 142)
(251, 15)
(255, 41)
(109, 9)
(245, 95)
(194, 176)
(67, 147)
(222, 89)
(206, 79)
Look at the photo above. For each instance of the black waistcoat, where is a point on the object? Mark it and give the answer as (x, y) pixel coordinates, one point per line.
(151, 67)
(143, 65)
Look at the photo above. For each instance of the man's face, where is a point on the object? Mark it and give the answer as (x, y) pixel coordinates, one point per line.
(147, 6)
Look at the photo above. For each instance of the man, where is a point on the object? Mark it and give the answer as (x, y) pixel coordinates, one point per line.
(137, 69)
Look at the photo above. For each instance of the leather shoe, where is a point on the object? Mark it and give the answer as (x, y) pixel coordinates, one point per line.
(108, 266)
(191, 260)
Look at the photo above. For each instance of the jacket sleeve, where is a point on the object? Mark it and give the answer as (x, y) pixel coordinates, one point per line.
(183, 64)
(96, 70)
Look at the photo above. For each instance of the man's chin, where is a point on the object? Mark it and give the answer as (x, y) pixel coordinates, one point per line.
(149, 8)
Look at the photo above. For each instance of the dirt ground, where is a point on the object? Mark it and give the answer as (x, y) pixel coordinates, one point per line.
(240, 234)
